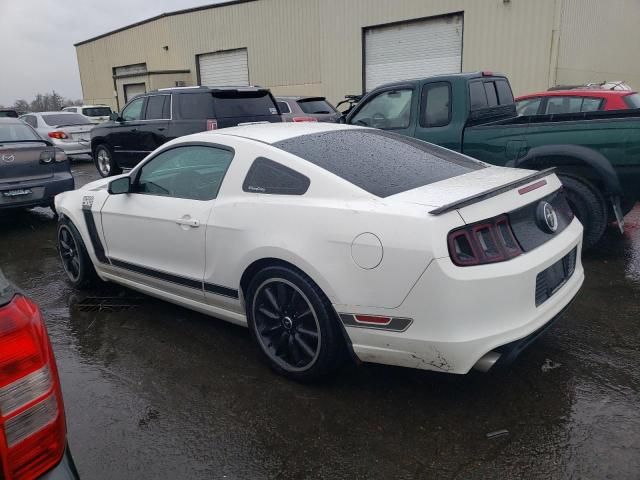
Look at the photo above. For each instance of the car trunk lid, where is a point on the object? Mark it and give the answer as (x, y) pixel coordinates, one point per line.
(20, 162)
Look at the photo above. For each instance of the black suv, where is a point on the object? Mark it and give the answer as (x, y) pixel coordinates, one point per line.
(150, 120)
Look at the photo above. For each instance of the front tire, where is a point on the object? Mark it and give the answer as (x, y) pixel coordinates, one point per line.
(75, 259)
(293, 323)
(106, 165)
(589, 206)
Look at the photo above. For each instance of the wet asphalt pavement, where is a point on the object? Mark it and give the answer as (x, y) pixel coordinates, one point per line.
(154, 391)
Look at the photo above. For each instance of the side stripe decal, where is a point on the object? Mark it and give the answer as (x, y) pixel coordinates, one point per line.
(177, 279)
(93, 235)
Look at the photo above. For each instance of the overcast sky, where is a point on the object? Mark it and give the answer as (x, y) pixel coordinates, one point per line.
(37, 37)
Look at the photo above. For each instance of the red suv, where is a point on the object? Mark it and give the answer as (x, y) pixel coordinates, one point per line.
(574, 101)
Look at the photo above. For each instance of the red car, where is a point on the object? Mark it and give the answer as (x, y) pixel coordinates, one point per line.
(576, 100)
(33, 437)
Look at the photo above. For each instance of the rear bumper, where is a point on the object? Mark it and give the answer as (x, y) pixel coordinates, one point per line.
(74, 148)
(460, 314)
(65, 470)
(43, 191)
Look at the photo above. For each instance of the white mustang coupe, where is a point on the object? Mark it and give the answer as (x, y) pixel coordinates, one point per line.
(328, 240)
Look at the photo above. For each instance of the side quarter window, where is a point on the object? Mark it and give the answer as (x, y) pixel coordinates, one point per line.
(435, 107)
(31, 120)
(388, 110)
(192, 172)
(267, 176)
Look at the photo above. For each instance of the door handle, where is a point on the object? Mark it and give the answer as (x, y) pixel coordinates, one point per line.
(161, 129)
(187, 221)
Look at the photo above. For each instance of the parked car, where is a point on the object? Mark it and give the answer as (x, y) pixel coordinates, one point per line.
(474, 113)
(4, 113)
(150, 120)
(326, 238)
(33, 437)
(96, 113)
(307, 109)
(575, 101)
(32, 170)
(68, 131)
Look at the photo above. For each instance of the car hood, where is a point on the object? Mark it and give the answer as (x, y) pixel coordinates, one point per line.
(463, 186)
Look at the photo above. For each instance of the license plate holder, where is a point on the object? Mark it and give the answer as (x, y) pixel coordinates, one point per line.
(17, 192)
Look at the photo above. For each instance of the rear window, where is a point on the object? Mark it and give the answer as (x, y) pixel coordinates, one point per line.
(489, 94)
(59, 119)
(316, 105)
(632, 101)
(8, 114)
(379, 162)
(96, 111)
(17, 132)
(244, 104)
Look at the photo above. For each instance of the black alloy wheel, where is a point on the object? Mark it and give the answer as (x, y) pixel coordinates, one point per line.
(294, 324)
(287, 324)
(75, 259)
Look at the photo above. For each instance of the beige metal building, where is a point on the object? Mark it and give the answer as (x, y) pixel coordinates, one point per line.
(337, 47)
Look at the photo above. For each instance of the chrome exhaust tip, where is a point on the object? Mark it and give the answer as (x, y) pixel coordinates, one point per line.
(487, 361)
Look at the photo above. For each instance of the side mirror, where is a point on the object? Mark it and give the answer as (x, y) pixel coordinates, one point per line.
(120, 186)
(115, 117)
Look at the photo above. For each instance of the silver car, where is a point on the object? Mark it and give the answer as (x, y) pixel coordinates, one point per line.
(67, 131)
(307, 109)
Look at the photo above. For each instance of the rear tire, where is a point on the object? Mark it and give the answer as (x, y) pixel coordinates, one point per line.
(294, 324)
(76, 262)
(103, 159)
(589, 206)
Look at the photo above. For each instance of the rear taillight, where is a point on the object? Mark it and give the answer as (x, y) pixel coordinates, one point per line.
(53, 155)
(32, 425)
(58, 135)
(212, 124)
(304, 119)
(489, 241)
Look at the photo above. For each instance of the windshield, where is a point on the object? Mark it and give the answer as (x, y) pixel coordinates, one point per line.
(96, 111)
(56, 119)
(17, 132)
(633, 100)
(381, 163)
(316, 105)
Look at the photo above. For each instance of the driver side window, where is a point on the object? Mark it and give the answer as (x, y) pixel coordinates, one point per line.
(133, 111)
(388, 110)
(192, 172)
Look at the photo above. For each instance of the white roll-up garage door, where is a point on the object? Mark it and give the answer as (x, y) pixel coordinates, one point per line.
(132, 90)
(228, 67)
(413, 49)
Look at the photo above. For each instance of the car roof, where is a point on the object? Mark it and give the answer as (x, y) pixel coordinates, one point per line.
(276, 132)
(305, 97)
(210, 88)
(579, 92)
(11, 120)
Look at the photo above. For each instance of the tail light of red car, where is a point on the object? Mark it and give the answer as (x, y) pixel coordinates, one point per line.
(32, 423)
(212, 124)
(489, 241)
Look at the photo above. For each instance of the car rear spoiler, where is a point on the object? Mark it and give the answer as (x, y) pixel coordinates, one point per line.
(492, 192)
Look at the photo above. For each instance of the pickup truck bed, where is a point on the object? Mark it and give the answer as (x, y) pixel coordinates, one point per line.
(596, 154)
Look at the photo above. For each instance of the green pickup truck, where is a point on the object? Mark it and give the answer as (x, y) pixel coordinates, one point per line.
(596, 154)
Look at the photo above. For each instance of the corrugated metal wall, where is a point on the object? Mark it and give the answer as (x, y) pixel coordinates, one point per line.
(315, 46)
(598, 42)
